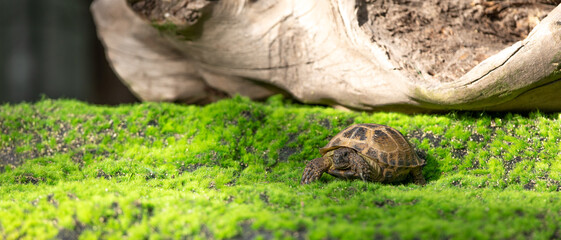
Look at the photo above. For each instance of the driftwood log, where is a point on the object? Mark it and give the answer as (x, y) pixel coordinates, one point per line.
(336, 52)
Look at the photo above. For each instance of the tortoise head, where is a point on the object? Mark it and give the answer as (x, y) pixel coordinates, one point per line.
(341, 157)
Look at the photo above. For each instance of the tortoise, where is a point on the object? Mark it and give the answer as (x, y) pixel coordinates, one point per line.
(369, 152)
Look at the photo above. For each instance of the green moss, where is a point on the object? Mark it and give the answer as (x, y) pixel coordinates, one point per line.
(232, 169)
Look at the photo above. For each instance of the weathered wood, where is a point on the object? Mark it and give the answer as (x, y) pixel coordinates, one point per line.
(316, 52)
(524, 76)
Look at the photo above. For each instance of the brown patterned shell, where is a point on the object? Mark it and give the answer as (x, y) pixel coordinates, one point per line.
(377, 142)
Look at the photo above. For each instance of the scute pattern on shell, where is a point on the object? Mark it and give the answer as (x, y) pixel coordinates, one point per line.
(377, 142)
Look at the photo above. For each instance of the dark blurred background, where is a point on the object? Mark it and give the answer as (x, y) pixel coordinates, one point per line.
(50, 48)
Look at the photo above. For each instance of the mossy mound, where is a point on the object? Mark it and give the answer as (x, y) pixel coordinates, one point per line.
(232, 169)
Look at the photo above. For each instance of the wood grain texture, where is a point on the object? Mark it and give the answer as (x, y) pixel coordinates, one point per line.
(316, 52)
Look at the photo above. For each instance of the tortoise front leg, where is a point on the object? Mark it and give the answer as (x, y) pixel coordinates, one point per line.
(314, 169)
(362, 168)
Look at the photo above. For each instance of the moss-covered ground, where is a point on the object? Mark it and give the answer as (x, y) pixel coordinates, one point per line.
(232, 169)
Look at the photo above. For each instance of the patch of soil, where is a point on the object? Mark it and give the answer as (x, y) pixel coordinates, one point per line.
(9, 157)
(78, 158)
(232, 182)
(286, 152)
(392, 203)
(249, 233)
(443, 40)
(51, 199)
(145, 209)
(325, 123)
(459, 153)
(530, 185)
(264, 197)
(28, 178)
(188, 168)
(253, 116)
(556, 234)
(457, 183)
(67, 234)
(212, 185)
(509, 165)
(117, 210)
(64, 138)
(205, 233)
(434, 140)
(384, 203)
(72, 196)
(102, 174)
(476, 137)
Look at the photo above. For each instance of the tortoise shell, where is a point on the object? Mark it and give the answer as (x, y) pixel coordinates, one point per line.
(378, 143)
